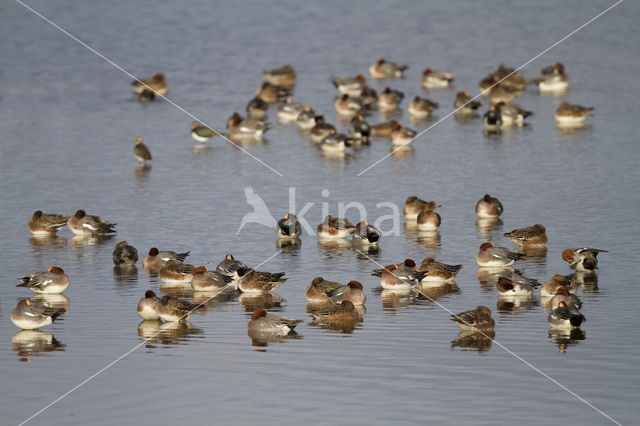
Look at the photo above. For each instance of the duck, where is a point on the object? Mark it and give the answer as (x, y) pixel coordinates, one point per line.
(583, 259)
(352, 292)
(347, 106)
(206, 280)
(366, 234)
(507, 287)
(465, 105)
(553, 79)
(148, 305)
(319, 290)
(344, 313)
(28, 316)
(505, 76)
(401, 277)
(288, 228)
(420, 108)
(176, 272)
(271, 93)
(157, 85)
(260, 282)
(141, 151)
(46, 224)
(359, 129)
(257, 109)
(308, 119)
(264, 322)
(489, 207)
(402, 136)
(492, 119)
(171, 309)
(231, 267)
(428, 221)
(201, 133)
(369, 97)
(475, 319)
(572, 114)
(519, 278)
(386, 69)
(550, 287)
(351, 86)
(334, 228)
(124, 254)
(82, 224)
(284, 76)
(565, 317)
(491, 256)
(321, 130)
(241, 128)
(413, 206)
(157, 259)
(383, 129)
(535, 235)
(335, 143)
(512, 114)
(389, 99)
(563, 295)
(53, 281)
(289, 110)
(438, 272)
(432, 79)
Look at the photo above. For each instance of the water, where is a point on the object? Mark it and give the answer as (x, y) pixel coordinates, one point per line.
(66, 135)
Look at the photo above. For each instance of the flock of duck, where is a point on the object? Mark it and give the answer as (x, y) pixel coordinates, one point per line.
(331, 304)
(356, 99)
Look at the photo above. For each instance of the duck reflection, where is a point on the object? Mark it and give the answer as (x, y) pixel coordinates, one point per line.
(565, 129)
(393, 301)
(565, 338)
(586, 281)
(79, 241)
(51, 302)
(489, 228)
(337, 245)
(535, 255)
(202, 149)
(488, 276)
(30, 343)
(474, 340)
(214, 298)
(434, 291)
(288, 245)
(364, 251)
(429, 239)
(253, 302)
(262, 339)
(125, 273)
(142, 172)
(47, 240)
(176, 289)
(515, 304)
(401, 151)
(166, 333)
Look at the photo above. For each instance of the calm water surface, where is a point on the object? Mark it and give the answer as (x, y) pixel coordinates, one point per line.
(66, 131)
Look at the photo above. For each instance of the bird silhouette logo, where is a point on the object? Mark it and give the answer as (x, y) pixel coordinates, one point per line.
(260, 214)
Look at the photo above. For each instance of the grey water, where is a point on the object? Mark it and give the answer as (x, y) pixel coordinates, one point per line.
(67, 124)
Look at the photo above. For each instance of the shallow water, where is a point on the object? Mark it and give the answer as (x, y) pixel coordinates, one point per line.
(66, 135)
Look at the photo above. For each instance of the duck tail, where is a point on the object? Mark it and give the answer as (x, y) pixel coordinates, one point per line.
(25, 281)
